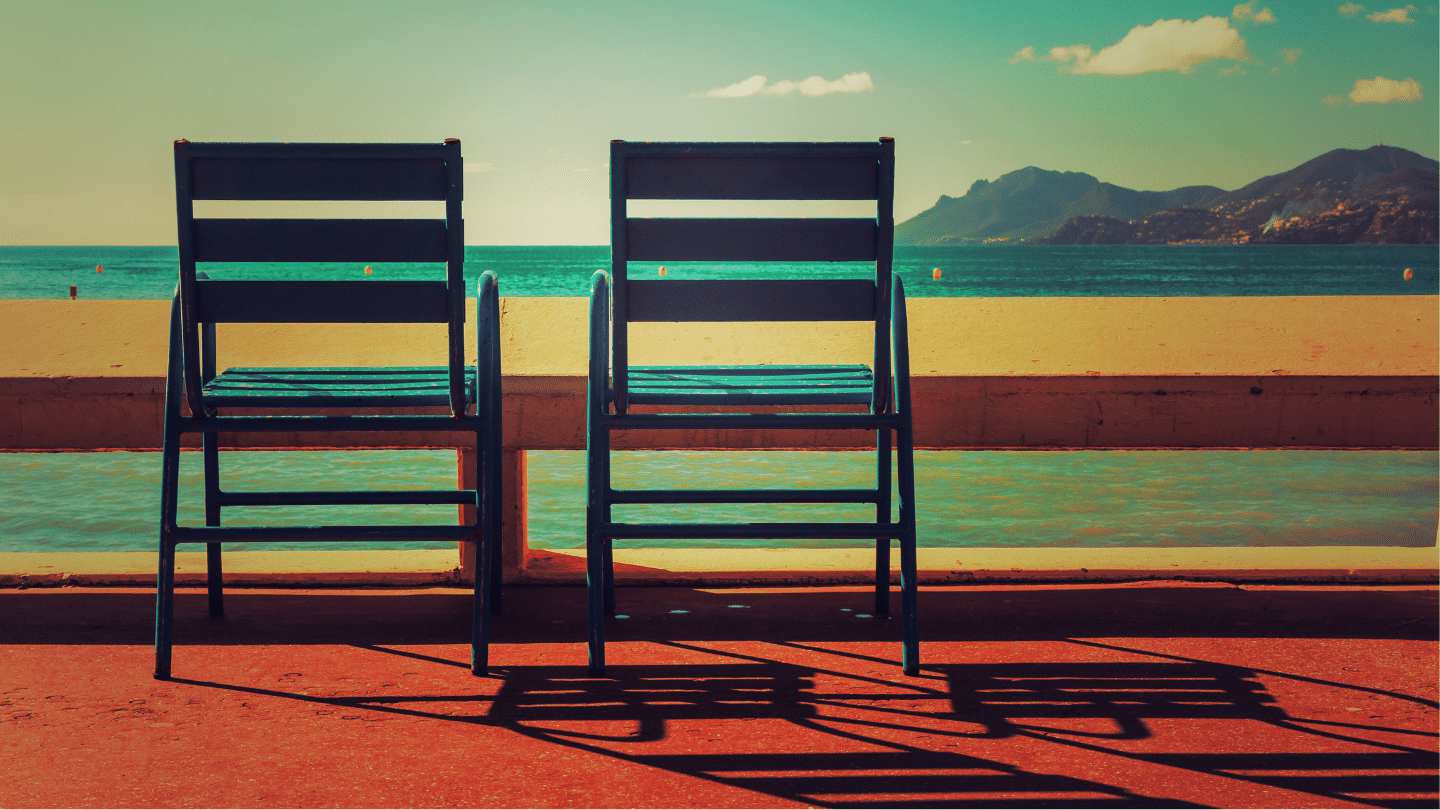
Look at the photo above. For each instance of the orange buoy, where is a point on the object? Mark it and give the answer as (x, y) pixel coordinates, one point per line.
(936, 275)
(367, 270)
(1408, 274)
(99, 268)
(662, 271)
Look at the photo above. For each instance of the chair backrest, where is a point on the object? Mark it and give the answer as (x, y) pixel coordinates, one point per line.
(320, 171)
(752, 171)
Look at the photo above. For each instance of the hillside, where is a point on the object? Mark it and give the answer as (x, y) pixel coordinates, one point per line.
(1316, 185)
(1021, 203)
(1382, 194)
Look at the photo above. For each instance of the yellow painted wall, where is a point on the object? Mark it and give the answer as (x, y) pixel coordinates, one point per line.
(980, 337)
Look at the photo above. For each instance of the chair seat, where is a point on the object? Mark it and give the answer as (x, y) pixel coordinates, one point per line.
(335, 387)
(750, 385)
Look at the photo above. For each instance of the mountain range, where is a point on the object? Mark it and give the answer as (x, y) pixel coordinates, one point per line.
(1381, 194)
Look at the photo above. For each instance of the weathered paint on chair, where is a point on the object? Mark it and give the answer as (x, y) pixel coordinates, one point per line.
(751, 171)
(272, 171)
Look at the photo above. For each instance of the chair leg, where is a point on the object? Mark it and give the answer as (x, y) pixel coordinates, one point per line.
(595, 595)
(480, 604)
(608, 561)
(497, 565)
(214, 574)
(169, 501)
(882, 515)
(486, 509)
(491, 476)
(596, 513)
(165, 575)
(495, 470)
(164, 609)
(909, 584)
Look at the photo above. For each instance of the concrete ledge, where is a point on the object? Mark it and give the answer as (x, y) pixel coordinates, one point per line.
(243, 569)
(548, 413)
(748, 567)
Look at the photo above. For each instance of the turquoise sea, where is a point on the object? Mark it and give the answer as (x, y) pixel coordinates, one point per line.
(109, 501)
(1021, 270)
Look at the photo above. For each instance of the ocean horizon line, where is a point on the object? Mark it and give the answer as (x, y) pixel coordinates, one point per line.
(929, 271)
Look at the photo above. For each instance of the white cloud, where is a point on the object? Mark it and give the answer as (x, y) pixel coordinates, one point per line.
(1245, 12)
(1025, 54)
(1350, 10)
(1333, 100)
(857, 82)
(1232, 70)
(1178, 45)
(749, 87)
(1395, 15)
(1074, 53)
(1381, 90)
(816, 86)
(1290, 55)
(966, 142)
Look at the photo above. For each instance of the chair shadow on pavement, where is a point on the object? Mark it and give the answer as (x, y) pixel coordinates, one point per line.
(821, 723)
(834, 738)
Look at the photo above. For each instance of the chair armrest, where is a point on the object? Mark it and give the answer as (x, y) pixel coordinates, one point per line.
(487, 345)
(900, 346)
(599, 340)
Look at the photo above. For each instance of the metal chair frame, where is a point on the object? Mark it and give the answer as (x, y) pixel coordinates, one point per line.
(751, 171)
(281, 171)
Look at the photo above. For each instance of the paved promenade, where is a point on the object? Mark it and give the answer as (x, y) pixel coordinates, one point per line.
(1103, 695)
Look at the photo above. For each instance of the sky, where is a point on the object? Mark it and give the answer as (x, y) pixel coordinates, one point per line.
(1147, 95)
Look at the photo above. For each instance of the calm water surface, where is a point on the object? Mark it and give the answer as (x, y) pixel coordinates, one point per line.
(966, 271)
(110, 502)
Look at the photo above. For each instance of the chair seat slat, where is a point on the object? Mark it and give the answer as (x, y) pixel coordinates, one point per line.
(752, 385)
(291, 387)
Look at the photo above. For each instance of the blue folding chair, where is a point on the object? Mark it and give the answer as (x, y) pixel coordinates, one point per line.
(368, 395)
(751, 171)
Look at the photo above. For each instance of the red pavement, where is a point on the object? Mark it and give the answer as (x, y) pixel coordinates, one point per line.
(1142, 695)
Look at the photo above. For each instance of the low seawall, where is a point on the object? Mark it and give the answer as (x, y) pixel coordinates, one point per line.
(1317, 372)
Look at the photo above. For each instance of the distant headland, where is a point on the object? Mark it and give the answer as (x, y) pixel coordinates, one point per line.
(1380, 195)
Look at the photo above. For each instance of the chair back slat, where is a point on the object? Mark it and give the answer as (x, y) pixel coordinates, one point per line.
(760, 177)
(684, 300)
(276, 178)
(761, 240)
(320, 240)
(322, 301)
